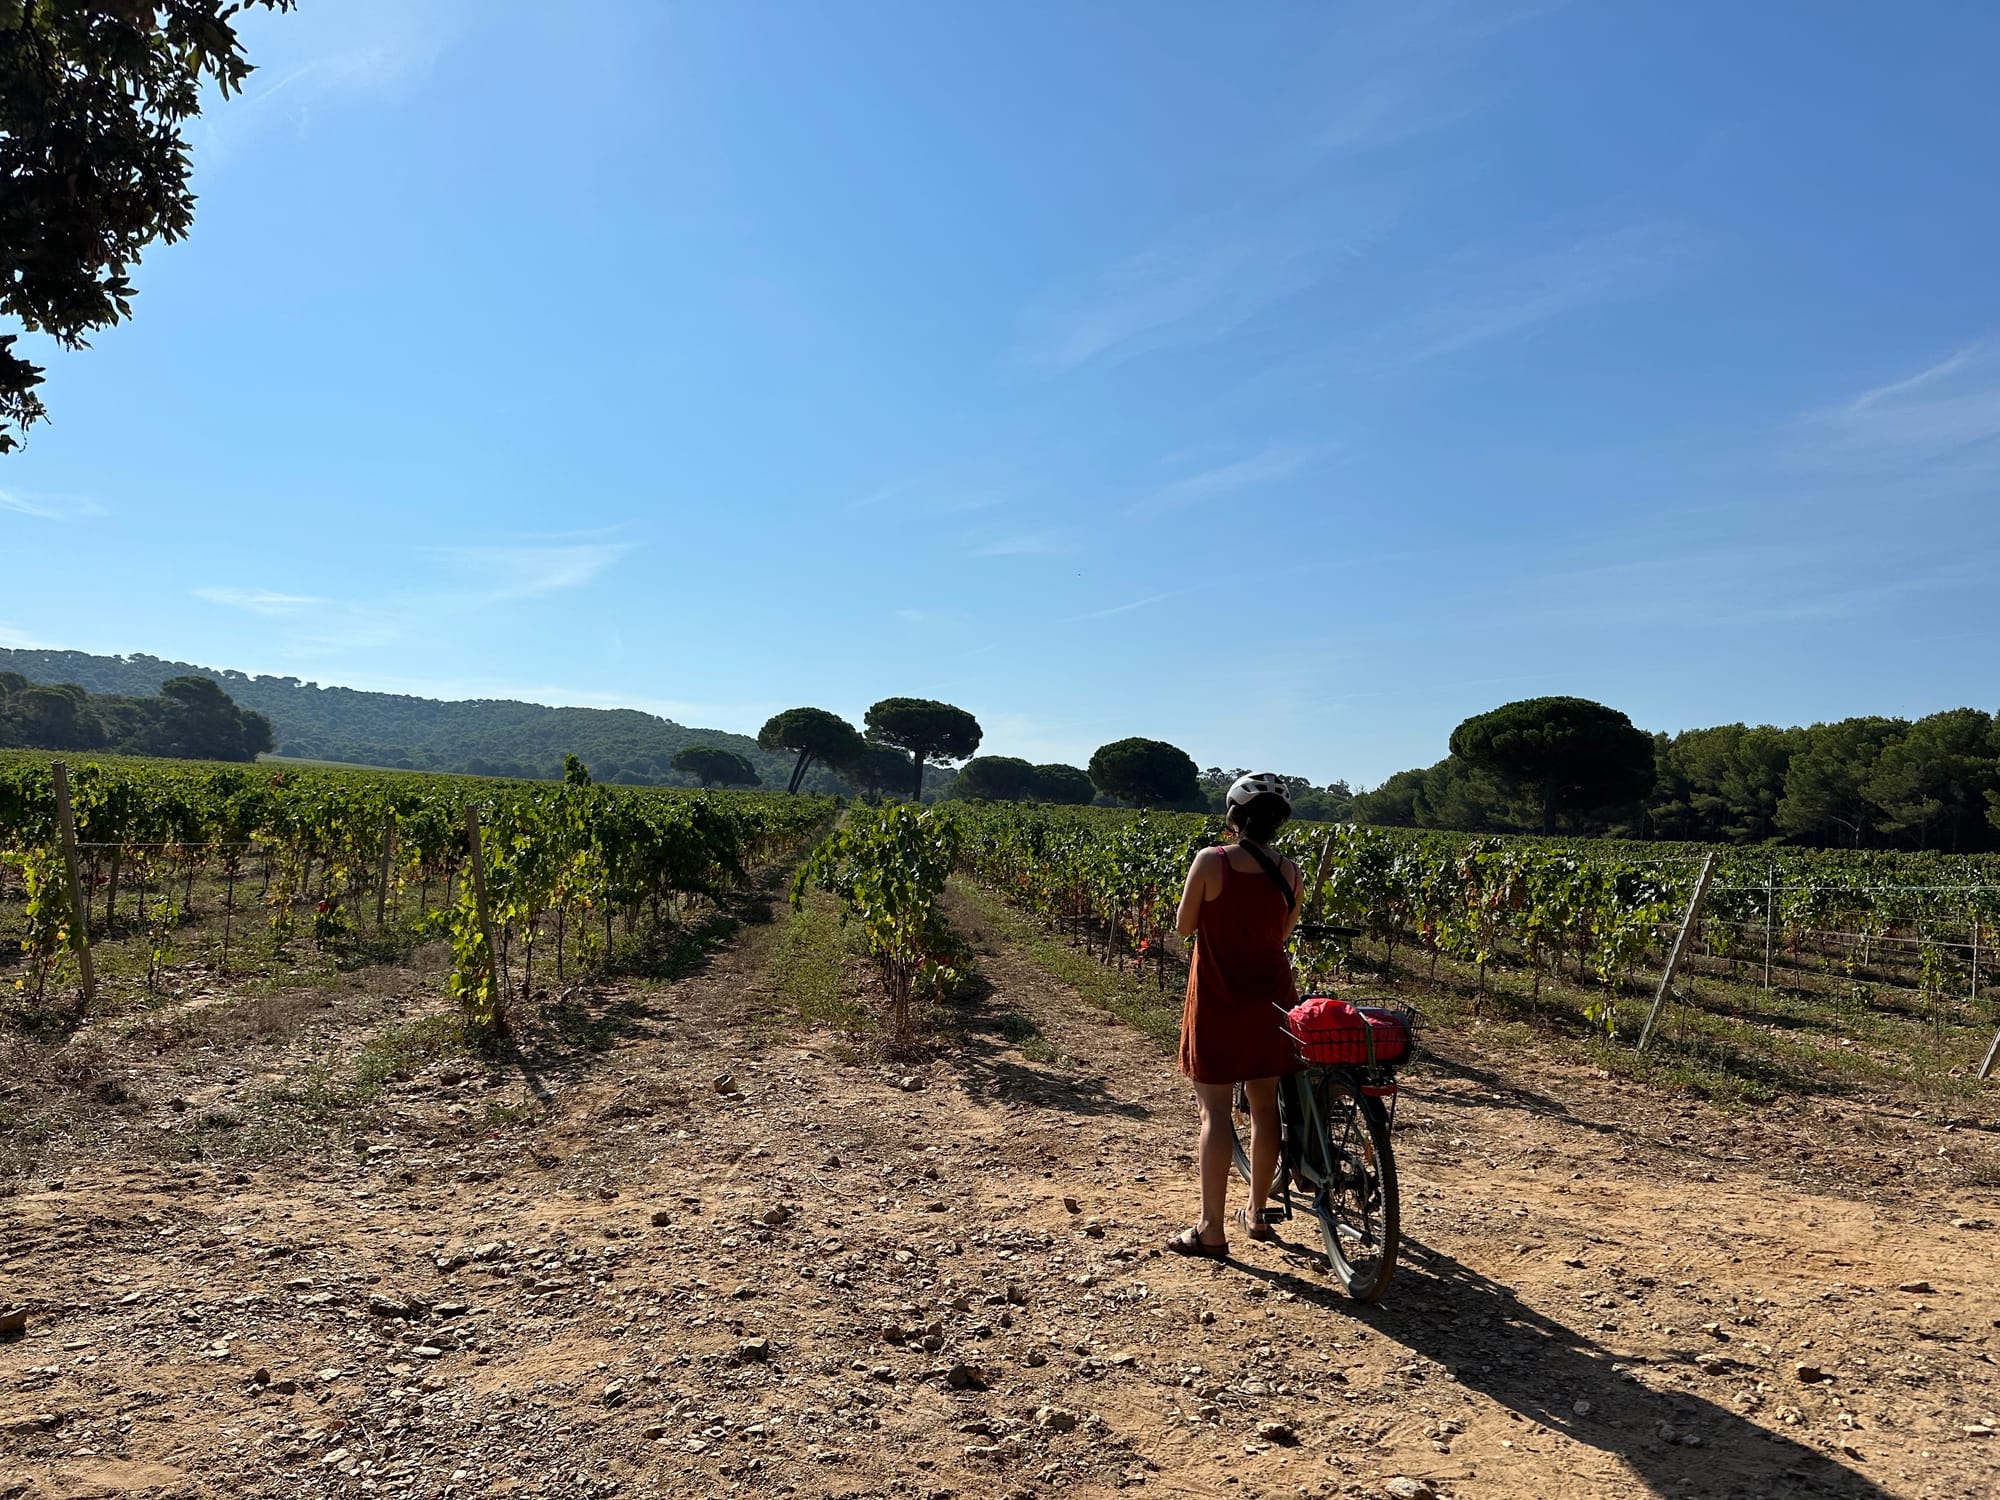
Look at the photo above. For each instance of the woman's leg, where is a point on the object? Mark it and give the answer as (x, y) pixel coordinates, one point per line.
(1213, 1157)
(1263, 1093)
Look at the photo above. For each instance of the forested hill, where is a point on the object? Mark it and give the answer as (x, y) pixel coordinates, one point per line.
(483, 736)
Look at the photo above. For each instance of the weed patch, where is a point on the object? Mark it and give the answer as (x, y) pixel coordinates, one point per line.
(1133, 999)
(812, 965)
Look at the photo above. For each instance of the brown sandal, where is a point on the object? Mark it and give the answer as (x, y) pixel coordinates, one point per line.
(1259, 1228)
(1190, 1242)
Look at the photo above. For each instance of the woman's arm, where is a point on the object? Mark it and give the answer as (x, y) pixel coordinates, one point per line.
(1200, 887)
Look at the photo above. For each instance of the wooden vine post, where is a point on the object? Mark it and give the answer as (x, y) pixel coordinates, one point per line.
(382, 877)
(79, 914)
(478, 862)
(1770, 915)
(1680, 947)
(1992, 1052)
(1319, 878)
(1974, 1000)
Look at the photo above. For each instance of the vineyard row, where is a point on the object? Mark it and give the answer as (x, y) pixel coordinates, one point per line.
(554, 865)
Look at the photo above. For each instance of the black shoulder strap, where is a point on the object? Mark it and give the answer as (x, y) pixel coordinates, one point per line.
(1271, 869)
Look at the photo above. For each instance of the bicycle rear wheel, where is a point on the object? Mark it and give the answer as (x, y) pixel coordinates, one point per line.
(1239, 1132)
(1351, 1168)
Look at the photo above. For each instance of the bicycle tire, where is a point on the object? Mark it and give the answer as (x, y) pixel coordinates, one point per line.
(1356, 1200)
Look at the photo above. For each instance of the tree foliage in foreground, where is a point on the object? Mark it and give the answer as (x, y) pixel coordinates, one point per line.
(94, 101)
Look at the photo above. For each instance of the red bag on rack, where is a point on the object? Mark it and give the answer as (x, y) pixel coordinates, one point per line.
(1337, 1033)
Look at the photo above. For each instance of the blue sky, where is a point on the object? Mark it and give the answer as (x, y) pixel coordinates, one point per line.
(1285, 381)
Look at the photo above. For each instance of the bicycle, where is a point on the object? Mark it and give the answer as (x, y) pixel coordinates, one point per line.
(1334, 1144)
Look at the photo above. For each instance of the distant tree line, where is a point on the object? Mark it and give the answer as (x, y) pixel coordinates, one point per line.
(1548, 765)
(191, 718)
(480, 737)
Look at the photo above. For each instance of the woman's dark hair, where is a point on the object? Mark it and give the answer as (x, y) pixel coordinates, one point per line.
(1260, 817)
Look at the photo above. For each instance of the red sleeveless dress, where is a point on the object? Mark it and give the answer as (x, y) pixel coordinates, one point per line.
(1233, 1027)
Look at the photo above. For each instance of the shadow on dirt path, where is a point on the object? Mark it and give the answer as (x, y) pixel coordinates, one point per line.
(1557, 1379)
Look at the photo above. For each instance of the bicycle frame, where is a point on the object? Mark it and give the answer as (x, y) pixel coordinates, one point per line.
(1301, 1123)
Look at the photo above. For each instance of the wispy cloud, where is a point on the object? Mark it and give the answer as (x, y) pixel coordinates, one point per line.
(49, 507)
(312, 61)
(1129, 606)
(1949, 409)
(1189, 292)
(259, 601)
(1272, 466)
(931, 497)
(1397, 72)
(1476, 300)
(476, 579)
(500, 574)
(20, 640)
(1054, 542)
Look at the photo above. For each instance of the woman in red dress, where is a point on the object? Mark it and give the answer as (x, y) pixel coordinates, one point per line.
(1240, 904)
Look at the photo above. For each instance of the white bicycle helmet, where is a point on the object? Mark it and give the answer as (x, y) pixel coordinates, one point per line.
(1258, 784)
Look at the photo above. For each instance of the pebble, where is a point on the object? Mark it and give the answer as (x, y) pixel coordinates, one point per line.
(725, 1083)
(1402, 1487)
(13, 1322)
(1809, 1374)
(1281, 1433)
(1055, 1418)
(754, 1349)
(910, 1083)
(1920, 1287)
(966, 1378)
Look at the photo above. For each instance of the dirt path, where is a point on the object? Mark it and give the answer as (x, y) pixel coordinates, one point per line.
(818, 1281)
